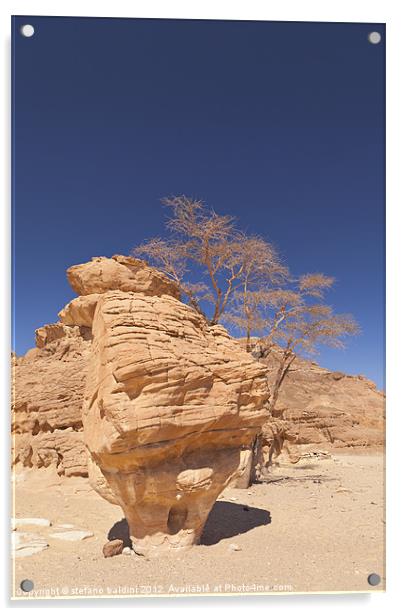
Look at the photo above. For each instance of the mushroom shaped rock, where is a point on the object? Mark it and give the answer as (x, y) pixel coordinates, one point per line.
(170, 405)
(102, 274)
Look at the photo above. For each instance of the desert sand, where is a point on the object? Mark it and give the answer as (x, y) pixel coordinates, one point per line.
(315, 526)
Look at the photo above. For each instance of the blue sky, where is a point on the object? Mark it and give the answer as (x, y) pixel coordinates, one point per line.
(279, 124)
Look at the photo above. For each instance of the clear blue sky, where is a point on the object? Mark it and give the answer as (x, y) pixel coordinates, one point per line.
(279, 124)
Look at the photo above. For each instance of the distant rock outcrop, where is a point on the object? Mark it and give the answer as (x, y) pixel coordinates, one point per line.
(323, 407)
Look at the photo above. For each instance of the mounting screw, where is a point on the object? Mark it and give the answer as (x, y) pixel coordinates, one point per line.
(374, 579)
(26, 585)
(27, 30)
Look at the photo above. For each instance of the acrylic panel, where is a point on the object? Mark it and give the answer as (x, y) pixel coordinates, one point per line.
(198, 396)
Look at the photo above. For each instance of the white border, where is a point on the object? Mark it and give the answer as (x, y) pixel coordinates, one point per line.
(379, 11)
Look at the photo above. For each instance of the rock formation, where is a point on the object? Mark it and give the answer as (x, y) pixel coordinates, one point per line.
(170, 405)
(167, 405)
(119, 273)
(48, 389)
(317, 409)
(48, 382)
(326, 408)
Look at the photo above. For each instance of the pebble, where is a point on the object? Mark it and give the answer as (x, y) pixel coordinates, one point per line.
(113, 548)
(234, 547)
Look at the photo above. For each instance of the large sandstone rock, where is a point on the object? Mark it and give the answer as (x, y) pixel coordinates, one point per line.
(49, 380)
(170, 406)
(119, 273)
(170, 402)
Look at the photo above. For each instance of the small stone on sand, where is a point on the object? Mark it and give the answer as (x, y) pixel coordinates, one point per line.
(113, 548)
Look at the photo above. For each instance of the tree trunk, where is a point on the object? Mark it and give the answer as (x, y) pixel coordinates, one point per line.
(280, 376)
(251, 474)
(248, 345)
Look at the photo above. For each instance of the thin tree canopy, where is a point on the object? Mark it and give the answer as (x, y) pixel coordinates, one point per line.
(226, 260)
(228, 275)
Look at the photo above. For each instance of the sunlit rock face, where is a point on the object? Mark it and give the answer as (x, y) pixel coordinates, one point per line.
(170, 405)
(102, 274)
(135, 388)
(49, 381)
(47, 395)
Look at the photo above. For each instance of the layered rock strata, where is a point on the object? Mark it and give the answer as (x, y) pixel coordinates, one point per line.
(326, 408)
(169, 403)
(47, 395)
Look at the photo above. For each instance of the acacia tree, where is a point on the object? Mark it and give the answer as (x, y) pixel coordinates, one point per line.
(299, 322)
(228, 261)
(292, 321)
(245, 282)
(170, 256)
(245, 312)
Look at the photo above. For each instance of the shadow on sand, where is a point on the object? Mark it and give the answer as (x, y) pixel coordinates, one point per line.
(230, 519)
(121, 531)
(225, 520)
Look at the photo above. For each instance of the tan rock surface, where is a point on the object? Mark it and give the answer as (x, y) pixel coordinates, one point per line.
(329, 408)
(169, 404)
(102, 274)
(46, 403)
(80, 311)
(321, 408)
(49, 333)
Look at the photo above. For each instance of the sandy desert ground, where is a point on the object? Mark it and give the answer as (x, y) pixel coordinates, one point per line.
(316, 526)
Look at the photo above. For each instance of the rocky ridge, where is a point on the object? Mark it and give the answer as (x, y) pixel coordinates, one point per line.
(327, 408)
